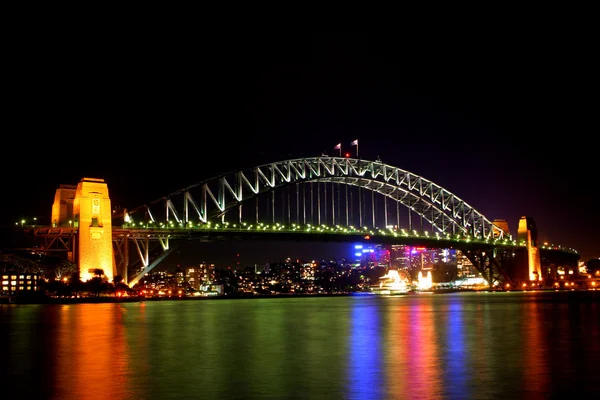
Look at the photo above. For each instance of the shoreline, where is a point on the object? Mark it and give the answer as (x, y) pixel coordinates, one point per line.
(98, 300)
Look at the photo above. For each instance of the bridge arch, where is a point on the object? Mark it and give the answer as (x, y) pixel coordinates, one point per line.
(214, 199)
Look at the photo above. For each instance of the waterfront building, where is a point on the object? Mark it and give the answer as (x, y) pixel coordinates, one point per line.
(18, 280)
(193, 277)
(16, 283)
(464, 266)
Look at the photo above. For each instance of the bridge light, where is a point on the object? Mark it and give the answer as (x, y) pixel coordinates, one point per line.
(347, 155)
(367, 237)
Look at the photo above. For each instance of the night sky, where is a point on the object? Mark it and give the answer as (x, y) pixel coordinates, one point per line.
(507, 125)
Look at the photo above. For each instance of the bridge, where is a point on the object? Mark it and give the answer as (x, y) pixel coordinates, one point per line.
(318, 198)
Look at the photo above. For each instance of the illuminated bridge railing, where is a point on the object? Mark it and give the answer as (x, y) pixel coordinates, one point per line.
(179, 230)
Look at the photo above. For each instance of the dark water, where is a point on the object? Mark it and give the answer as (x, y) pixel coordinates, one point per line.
(521, 345)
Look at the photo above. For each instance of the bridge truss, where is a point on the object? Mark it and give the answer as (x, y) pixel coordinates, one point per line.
(317, 191)
(310, 193)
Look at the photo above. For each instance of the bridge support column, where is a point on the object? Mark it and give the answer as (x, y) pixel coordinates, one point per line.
(121, 250)
(92, 215)
(493, 264)
(527, 233)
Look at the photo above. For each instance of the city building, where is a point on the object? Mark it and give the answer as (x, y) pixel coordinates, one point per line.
(14, 283)
(202, 275)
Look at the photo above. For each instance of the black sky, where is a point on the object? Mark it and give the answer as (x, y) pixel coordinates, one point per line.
(506, 124)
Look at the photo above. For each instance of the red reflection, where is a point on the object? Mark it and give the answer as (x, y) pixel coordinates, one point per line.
(416, 353)
(423, 352)
(398, 378)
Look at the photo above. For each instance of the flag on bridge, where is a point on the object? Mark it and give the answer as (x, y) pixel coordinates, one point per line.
(338, 147)
(355, 143)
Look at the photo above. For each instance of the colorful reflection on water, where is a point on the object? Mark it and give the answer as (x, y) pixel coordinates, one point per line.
(454, 346)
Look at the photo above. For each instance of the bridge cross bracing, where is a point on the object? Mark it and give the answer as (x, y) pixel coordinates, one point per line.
(320, 190)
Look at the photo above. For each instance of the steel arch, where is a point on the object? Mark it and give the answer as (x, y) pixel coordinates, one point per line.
(213, 198)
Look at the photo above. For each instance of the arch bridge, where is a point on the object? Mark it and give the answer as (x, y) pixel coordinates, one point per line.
(317, 198)
(213, 199)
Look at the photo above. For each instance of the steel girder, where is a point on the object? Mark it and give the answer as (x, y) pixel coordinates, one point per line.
(209, 200)
(148, 254)
(491, 263)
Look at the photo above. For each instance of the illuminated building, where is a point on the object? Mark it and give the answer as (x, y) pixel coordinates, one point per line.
(202, 274)
(207, 272)
(155, 280)
(399, 256)
(179, 277)
(18, 283)
(307, 271)
(418, 258)
(465, 268)
(371, 256)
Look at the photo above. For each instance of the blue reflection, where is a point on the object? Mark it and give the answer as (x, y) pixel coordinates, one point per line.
(456, 359)
(366, 378)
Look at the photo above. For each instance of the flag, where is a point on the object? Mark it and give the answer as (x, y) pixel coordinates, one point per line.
(354, 143)
(338, 146)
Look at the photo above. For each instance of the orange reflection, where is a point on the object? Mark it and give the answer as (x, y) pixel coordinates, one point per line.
(398, 375)
(414, 357)
(535, 371)
(423, 352)
(92, 358)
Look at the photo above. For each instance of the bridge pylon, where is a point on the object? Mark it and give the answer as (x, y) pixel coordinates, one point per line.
(527, 234)
(86, 208)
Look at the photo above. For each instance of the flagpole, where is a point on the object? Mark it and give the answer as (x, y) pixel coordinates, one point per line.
(338, 147)
(355, 143)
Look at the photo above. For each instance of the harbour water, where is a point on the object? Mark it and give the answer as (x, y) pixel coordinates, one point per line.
(475, 345)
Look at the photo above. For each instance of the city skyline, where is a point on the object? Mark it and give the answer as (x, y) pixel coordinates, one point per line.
(505, 131)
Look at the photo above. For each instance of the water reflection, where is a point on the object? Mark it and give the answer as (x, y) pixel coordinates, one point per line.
(463, 346)
(535, 351)
(92, 354)
(366, 353)
(454, 350)
(422, 357)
